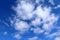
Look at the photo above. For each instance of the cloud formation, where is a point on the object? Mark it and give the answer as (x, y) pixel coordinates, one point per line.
(26, 11)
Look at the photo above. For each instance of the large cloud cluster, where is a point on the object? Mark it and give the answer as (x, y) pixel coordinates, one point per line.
(27, 16)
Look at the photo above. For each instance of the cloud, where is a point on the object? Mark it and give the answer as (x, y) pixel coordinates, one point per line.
(57, 38)
(21, 26)
(55, 34)
(5, 33)
(42, 12)
(33, 38)
(17, 36)
(37, 1)
(41, 15)
(24, 10)
(37, 30)
(49, 22)
(52, 2)
(58, 6)
(27, 7)
(4, 23)
(36, 22)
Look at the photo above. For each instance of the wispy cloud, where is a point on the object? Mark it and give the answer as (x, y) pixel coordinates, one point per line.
(58, 6)
(37, 30)
(5, 23)
(21, 26)
(52, 2)
(55, 34)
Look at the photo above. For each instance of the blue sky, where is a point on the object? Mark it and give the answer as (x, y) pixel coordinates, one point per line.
(29, 19)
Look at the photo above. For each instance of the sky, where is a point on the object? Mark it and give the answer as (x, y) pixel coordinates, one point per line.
(29, 19)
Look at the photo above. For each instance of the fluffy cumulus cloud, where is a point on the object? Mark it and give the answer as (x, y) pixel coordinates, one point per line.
(24, 10)
(40, 18)
(21, 26)
(37, 30)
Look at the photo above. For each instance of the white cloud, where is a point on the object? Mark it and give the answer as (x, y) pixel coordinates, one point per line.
(25, 10)
(33, 38)
(42, 12)
(38, 1)
(5, 33)
(27, 7)
(21, 26)
(46, 27)
(52, 2)
(49, 22)
(58, 6)
(17, 36)
(36, 22)
(37, 30)
(57, 38)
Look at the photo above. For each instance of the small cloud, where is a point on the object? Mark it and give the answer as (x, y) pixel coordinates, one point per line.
(55, 34)
(58, 6)
(33, 38)
(21, 26)
(5, 33)
(37, 30)
(27, 7)
(57, 38)
(17, 36)
(5, 23)
(38, 1)
(52, 2)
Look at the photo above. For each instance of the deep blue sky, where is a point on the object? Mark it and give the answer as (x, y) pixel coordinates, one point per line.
(5, 8)
(6, 11)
